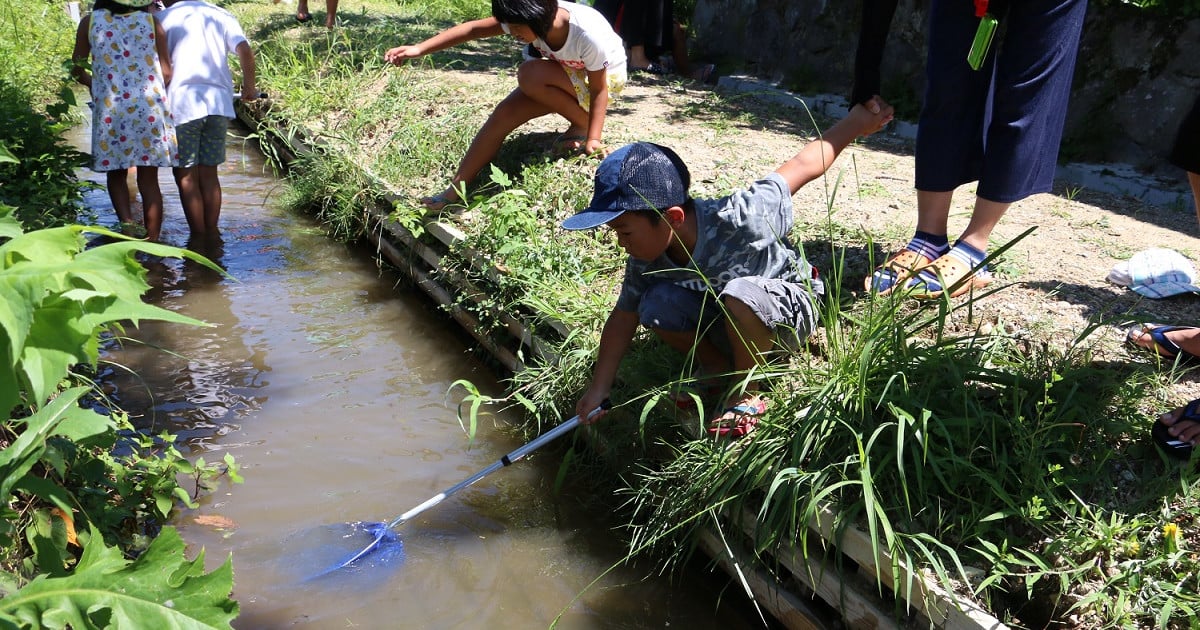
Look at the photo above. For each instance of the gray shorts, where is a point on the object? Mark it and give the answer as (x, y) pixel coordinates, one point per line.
(202, 141)
(788, 308)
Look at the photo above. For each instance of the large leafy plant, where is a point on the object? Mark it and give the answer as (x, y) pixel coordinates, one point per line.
(57, 296)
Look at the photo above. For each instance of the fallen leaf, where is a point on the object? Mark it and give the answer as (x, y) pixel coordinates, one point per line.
(212, 520)
(70, 523)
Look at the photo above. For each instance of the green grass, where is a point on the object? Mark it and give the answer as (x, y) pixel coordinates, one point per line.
(1014, 453)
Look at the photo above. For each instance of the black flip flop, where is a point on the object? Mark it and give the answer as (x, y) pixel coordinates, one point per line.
(1158, 333)
(303, 18)
(1170, 444)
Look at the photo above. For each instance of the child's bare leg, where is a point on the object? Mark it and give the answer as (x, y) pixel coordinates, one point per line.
(152, 200)
(515, 110)
(750, 340)
(188, 181)
(117, 183)
(210, 191)
(708, 357)
(547, 83)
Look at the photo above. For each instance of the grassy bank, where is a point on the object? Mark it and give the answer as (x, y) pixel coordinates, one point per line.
(1009, 460)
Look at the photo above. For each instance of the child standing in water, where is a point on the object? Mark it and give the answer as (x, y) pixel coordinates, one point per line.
(581, 64)
(131, 126)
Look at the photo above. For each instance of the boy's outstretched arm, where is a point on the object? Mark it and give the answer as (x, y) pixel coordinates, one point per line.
(453, 36)
(817, 156)
(614, 341)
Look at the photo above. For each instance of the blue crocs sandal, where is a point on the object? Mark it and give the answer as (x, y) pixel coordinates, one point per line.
(1166, 349)
(1170, 444)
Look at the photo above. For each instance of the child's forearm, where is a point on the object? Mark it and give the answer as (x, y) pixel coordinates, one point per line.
(164, 55)
(817, 156)
(462, 33)
(596, 114)
(79, 56)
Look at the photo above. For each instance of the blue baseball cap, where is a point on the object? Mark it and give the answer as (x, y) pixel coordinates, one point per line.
(638, 176)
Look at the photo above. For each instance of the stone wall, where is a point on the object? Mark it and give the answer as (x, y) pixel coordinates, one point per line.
(1136, 77)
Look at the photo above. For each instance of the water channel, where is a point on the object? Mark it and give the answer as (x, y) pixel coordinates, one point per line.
(328, 380)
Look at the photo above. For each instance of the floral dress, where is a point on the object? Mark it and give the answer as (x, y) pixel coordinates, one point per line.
(130, 122)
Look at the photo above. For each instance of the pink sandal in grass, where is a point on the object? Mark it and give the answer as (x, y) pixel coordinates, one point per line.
(738, 420)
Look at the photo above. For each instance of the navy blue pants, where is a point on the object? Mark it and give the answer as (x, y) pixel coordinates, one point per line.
(1186, 153)
(1000, 125)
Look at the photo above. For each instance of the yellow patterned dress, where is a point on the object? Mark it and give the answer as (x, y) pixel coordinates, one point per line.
(130, 122)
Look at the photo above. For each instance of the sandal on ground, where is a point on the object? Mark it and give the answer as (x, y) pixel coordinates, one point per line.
(947, 273)
(1163, 347)
(738, 420)
(896, 271)
(303, 17)
(1171, 445)
(441, 203)
(653, 68)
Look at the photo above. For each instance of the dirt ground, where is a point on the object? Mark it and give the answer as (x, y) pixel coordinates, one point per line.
(1054, 279)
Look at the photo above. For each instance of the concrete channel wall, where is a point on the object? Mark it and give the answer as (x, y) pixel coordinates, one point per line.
(840, 573)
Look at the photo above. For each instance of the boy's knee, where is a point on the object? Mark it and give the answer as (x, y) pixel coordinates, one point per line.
(777, 304)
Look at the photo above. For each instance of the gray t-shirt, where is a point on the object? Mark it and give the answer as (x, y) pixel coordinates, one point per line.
(742, 235)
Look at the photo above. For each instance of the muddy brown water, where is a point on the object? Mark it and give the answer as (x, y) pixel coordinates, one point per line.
(330, 382)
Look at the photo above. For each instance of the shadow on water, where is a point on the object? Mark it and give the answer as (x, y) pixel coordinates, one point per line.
(331, 389)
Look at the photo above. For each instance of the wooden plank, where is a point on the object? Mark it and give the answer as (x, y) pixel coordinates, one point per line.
(789, 609)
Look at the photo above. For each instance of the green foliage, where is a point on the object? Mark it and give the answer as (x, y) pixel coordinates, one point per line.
(1182, 8)
(39, 176)
(160, 589)
(64, 458)
(36, 38)
(57, 296)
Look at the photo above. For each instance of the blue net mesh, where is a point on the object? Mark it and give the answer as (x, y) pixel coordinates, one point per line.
(316, 552)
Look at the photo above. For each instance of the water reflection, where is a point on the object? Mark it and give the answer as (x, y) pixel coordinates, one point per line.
(197, 386)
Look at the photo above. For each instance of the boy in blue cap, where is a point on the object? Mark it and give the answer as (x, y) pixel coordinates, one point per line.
(716, 277)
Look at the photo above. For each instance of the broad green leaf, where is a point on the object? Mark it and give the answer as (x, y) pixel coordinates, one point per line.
(57, 340)
(161, 589)
(45, 247)
(6, 155)
(9, 225)
(22, 454)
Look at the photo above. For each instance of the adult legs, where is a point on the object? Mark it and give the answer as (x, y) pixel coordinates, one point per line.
(152, 200)
(1001, 125)
(330, 13)
(1186, 152)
